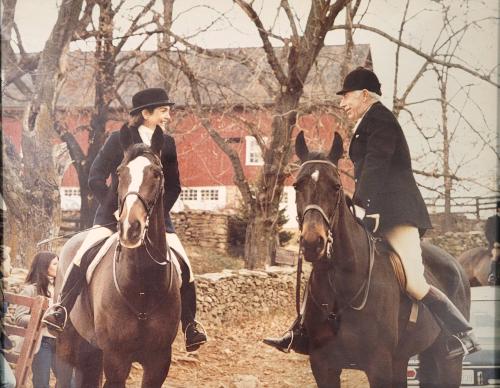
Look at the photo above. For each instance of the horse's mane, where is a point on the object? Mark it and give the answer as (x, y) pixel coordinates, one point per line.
(139, 149)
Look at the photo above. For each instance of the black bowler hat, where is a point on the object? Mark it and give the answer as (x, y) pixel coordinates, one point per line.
(359, 79)
(149, 98)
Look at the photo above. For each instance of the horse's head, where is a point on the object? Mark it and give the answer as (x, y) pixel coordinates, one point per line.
(140, 186)
(318, 194)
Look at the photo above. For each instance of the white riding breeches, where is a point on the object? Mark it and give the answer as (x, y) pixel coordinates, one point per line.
(99, 232)
(95, 234)
(175, 243)
(405, 240)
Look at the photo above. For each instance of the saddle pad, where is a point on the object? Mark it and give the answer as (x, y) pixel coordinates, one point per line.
(97, 259)
(400, 274)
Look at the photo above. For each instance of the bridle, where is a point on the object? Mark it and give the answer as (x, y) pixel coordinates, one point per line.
(145, 238)
(330, 222)
(145, 241)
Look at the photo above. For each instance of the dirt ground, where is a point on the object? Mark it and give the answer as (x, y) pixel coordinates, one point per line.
(236, 357)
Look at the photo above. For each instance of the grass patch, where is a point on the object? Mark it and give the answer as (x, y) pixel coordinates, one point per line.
(205, 260)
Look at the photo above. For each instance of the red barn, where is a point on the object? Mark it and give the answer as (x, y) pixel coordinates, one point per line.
(232, 97)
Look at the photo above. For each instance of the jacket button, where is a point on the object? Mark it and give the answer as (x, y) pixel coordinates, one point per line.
(356, 136)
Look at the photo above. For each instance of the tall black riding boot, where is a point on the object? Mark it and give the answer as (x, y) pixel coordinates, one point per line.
(56, 317)
(494, 276)
(295, 339)
(194, 334)
(453, 321)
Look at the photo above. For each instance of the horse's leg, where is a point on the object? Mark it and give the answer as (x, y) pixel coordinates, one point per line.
(68, 359)
(325, 369)
(116, 368)
(90, 361)
(156, 366)
(399, 372)
(437, 372)
(379, 370)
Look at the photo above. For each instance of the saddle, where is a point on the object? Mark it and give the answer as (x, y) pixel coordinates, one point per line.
(95, 253)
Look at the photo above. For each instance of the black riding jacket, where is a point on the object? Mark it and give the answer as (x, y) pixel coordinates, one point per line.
(384, 181)
(105, 164)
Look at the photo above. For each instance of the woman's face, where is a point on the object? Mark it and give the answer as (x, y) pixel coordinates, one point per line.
(160, 116)
(52, 270)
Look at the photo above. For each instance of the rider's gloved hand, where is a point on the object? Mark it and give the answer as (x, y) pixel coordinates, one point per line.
(360, 212)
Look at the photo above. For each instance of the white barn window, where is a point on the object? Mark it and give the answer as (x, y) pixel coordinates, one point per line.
(202, 198)
(70, 198)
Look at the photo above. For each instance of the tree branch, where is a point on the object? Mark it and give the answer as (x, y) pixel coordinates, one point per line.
(428, 57)
(268, 48)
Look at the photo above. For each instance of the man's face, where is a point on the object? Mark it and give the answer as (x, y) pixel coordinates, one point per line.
(354, 104)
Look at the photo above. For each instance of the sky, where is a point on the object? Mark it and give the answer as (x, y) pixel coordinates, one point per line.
(232, 28)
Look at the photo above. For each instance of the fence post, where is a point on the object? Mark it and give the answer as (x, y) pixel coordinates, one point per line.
(477, 208)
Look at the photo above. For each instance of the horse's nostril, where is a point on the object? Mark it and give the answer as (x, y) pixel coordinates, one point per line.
(134, 230)
(320, 244)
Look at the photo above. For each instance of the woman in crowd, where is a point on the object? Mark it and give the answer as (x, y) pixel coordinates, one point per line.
(40, 281)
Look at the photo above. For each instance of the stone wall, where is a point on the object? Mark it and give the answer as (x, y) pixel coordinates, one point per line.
(203, 229)
(241, 294)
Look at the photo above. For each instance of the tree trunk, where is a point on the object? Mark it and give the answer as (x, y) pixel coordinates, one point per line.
(448, 223)
(104, 94)
(35, 179)
(270, 185)
(258, 242)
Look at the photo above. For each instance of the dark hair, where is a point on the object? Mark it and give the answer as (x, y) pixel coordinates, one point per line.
(37, 273)
(137, 119)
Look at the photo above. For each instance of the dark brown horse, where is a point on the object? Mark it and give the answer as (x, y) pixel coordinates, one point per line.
(356, 313)
(130, 311)
(477, 265)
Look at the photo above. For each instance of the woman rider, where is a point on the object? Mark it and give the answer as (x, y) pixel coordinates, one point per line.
(151, 108)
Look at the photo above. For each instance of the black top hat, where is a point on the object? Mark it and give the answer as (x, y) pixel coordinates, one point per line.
(149, 98)
(359, 79)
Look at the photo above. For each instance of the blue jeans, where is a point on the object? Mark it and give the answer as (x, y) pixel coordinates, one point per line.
(43, 361)
(7, 379)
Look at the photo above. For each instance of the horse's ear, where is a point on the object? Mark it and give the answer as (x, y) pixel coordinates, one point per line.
(301, 147)
(157, 141)
(125, 138)
(337, 149)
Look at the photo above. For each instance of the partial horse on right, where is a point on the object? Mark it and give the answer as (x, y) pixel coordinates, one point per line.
(477, 265)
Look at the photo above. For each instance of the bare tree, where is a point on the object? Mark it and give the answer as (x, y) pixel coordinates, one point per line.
(31, 182)
(110, 71)
(285, 84)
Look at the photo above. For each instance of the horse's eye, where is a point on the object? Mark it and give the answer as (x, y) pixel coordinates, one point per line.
(156, 174)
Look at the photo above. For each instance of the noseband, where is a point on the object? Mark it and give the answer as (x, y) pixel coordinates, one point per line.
(328, 221)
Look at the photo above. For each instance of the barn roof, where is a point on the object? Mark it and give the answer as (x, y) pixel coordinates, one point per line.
(223, 81)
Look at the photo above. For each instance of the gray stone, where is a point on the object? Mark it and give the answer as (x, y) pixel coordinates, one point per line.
(246, 381)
